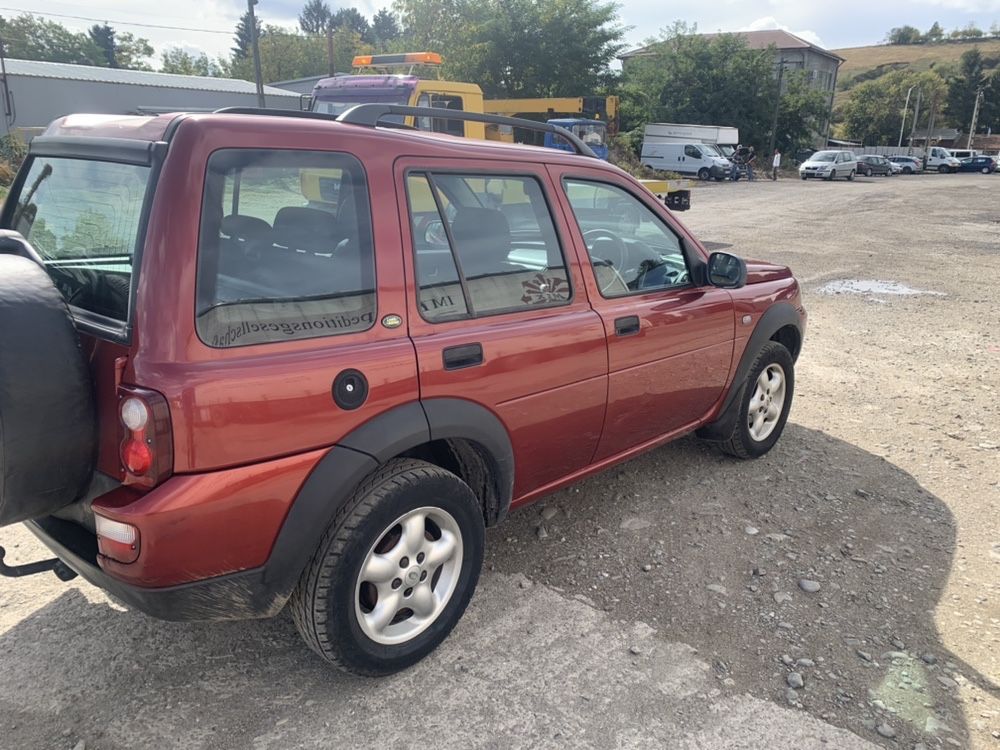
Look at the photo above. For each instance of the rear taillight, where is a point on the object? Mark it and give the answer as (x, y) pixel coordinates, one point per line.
(117, 540)
(147, 448)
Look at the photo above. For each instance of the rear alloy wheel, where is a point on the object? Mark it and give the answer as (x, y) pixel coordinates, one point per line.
(986, 170)
(395, 572)
(765, 401)
(907, 170)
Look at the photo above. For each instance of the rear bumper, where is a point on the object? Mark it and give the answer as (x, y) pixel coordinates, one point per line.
(237, 596)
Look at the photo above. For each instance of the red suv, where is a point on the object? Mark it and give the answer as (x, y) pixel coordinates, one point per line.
(255, 359)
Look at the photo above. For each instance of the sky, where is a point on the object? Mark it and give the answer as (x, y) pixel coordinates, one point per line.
(208, 24)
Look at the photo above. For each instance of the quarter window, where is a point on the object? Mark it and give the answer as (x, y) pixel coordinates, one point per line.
(285, 250)
(484, 244)
(630, 248)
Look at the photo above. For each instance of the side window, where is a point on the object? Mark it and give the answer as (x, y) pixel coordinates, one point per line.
(285, 248)
(630, 248)
(484, 244)
(692, 152)
(443, 101)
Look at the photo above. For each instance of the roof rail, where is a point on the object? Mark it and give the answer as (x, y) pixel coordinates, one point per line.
(370, 115)
(304, 114)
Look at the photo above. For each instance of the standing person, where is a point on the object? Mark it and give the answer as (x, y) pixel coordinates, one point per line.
(751, 157)
(775, 164)
(734, 173)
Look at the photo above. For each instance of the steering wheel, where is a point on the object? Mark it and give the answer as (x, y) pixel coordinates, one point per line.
(589, 238)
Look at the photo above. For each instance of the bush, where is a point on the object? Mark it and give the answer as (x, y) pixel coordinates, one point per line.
(7, 173)
(13, 149)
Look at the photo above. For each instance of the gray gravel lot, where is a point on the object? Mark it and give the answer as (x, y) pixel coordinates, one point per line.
(843, 591)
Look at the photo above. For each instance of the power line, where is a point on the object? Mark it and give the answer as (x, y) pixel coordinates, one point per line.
(119, 23)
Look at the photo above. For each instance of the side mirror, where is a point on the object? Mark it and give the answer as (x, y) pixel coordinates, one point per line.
(305, 102)
(726, 271)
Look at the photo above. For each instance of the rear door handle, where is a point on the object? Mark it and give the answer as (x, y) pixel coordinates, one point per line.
(628, 326)
(464, 355)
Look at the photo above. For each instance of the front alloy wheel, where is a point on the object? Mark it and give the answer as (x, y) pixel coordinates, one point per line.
(764, 402)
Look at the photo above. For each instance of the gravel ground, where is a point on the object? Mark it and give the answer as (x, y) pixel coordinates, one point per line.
(845, 589)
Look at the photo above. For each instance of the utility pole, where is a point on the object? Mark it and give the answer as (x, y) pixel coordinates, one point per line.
(930, 130)
(777, 108)
(975, 117)
(329, 50)
(256, 53)
(906, 108)
(916, 116)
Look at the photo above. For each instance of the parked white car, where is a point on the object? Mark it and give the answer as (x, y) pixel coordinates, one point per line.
(829, 165)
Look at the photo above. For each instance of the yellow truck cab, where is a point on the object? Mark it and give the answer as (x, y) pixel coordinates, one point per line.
(339, 93)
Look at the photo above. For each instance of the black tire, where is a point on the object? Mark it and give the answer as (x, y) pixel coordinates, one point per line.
(742, 444)
(943, 169)
(907, 170)
(803, 178)
(323, 603)
(47, 417)
(850, 177)
(703, 174)
(832, 176)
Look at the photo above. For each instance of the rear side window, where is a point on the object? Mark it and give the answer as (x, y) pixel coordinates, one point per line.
(83, 217)
(285, 250)
(484, 244)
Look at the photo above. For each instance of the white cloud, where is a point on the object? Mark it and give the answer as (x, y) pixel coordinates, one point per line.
(768, 23)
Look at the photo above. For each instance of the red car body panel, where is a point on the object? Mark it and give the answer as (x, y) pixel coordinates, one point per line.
(250, 423)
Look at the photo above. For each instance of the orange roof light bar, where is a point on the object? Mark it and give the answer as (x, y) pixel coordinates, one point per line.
(405, 58)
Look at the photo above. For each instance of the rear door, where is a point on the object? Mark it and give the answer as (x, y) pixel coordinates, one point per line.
(670, 340)
(500, 317)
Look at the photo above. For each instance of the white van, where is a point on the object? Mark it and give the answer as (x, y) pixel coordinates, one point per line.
(941, 160)
(702, 160)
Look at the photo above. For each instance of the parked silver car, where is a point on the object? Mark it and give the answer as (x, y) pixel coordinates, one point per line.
(909, 164)
(829, 165)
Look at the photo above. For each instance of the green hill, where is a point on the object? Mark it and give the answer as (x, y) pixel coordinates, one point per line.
(866, 63)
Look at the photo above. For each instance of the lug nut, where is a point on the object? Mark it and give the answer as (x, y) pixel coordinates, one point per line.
(420, 558)
(407, 592)
(396, 583)
(404, 563)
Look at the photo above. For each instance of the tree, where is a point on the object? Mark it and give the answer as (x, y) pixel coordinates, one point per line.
(873, 113)
(352, 19)
(121, 50)
(515, 48)
(287, 54)
(964, 86)
(703, 80)
(176, 60)
(30, 38)
(242, 37)
(384, 29)
(989, 108)
(104, 37)
(934, 34)
(315, 17)
(971, 31)
(904, 35)
(995, 30)
(802, 113)
(132, 52)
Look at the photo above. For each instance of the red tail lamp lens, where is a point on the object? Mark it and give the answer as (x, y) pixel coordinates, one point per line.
(147, 450)
(136, 456)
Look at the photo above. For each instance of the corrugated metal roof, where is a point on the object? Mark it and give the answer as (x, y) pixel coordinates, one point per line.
(68, 72)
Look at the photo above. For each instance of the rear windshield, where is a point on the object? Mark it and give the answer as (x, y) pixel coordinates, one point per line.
(83, 218)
